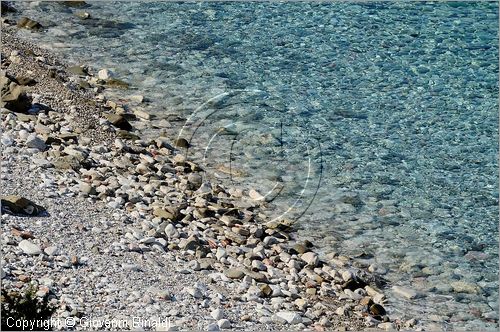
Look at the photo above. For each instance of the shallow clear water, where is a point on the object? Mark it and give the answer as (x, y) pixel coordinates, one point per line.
(374, 125)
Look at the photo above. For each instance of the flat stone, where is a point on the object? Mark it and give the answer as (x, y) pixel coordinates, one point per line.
(33, 141)
(239, 239)
(405, 292)
(191, 243)
(234, 273)
(87, 189)
(131, 267)
(29, 248)
(257, 276)
(142, 114)
(377, 310)
(258, 265)
(347, 275)
(162, 213)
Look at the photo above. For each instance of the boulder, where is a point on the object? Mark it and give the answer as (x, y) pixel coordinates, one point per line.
(20, 205)
(118, 121)
(14, 98)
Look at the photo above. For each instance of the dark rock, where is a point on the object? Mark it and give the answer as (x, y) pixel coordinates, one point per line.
(181, 143)
(377, 310)
(191, 243)
(354, 284)
(7, 7)
(266, 290)
(298, 248)
(27, 23)
(118, 121)
(20, 205)
(74, 4)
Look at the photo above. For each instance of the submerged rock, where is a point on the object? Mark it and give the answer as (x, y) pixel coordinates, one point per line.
(405, 292)
(27, 23)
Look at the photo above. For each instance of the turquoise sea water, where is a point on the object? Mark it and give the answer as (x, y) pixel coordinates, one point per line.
(374, 125)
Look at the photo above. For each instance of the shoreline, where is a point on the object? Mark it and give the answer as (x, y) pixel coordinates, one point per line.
(200, 230)
(154, 189)
(260, 255)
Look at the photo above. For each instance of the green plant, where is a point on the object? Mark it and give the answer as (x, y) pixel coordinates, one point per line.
(25, 307)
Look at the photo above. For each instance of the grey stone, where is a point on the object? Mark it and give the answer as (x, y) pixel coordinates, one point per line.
(51, 251)
(290, 317)
(33, 141)
(234, 273)
(194, 292)
(224, 324)
(217, 314)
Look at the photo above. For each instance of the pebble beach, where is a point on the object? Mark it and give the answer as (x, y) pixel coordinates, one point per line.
(119, 227)
(118, 230)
